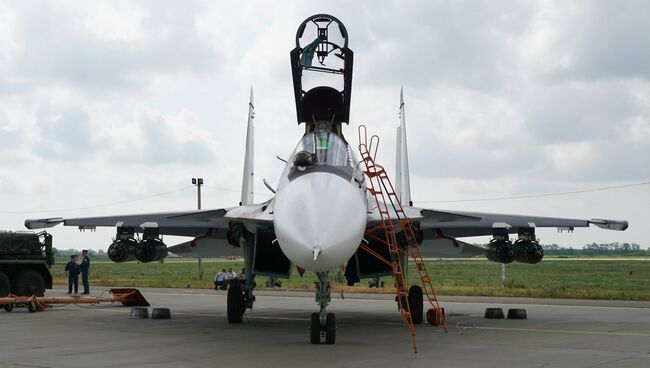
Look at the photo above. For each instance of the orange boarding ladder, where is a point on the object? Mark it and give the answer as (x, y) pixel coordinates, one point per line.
(382, 189)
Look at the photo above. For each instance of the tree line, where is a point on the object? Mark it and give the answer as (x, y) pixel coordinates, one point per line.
(69, 252)
(594, 249)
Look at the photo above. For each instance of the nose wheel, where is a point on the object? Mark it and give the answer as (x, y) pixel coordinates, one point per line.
(322, 324)
(317, 331)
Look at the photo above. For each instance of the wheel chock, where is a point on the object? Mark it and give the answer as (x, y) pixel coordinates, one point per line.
(494, 313)
(161, 313)
(139, 313)
(517, 314)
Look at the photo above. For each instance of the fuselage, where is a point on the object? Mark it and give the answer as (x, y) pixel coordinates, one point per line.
(320, 208)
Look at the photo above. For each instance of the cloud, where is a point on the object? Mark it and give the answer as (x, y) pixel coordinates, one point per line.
(159, 139)
(105, 101)
(106, 46)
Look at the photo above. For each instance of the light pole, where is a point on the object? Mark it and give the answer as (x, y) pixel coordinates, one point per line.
(198, 182)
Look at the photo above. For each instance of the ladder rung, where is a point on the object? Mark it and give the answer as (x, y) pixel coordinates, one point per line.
(375, 173)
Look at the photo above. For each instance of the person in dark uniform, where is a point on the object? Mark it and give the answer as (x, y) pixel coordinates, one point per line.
(84, 267)
(72, 269)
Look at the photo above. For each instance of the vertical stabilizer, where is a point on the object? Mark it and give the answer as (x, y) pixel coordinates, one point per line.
(398, 163)
(403, 181)
(247, 181)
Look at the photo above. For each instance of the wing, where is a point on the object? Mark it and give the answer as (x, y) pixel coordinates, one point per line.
(183, 223)
(484, 223)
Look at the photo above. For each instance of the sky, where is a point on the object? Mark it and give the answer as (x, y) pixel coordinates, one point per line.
(111, 107)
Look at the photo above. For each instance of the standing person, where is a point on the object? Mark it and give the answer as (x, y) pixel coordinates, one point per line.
(220, 282)
(231, 276)
(84, 267)
(242, 276)
(72, 270)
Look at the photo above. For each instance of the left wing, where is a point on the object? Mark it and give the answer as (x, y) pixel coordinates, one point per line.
(485, 223)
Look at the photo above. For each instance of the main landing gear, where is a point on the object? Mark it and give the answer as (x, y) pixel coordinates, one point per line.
(322, 324)
(416, 302)
(240, 296)
(239, 299)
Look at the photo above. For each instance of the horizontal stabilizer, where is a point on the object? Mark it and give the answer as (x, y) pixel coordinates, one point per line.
(609, 224)
(43, 223)
(438, 216)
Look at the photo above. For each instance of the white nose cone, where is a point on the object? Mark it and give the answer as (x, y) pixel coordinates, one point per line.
(319, 220)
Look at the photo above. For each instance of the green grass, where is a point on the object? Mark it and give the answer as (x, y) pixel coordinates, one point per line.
(552, 278)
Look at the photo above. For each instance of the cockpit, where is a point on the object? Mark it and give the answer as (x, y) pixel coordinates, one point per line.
(322, 148)
(323, 151)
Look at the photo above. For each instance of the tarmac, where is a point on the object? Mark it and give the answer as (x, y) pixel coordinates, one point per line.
(557, 333)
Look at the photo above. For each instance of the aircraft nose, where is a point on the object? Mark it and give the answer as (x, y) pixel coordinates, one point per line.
(319, 220)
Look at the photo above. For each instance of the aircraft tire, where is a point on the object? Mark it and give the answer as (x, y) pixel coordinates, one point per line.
(5, 284)
(235, 305)
(28, 283)
(314, 328)
(416, 302)
(330, 329)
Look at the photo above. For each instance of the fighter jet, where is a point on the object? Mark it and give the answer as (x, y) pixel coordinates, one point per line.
(326, 212)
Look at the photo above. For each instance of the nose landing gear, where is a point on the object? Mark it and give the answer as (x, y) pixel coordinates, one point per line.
(322, 324)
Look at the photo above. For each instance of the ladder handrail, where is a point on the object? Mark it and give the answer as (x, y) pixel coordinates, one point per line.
(363, 131)
(375, 139)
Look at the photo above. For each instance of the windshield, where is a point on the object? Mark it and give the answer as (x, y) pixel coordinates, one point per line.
(322, 151)
(326, 147)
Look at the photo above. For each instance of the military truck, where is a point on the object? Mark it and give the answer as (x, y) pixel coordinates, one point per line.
(25, 261)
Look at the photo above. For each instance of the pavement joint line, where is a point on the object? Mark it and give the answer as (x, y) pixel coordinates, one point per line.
(340, 320)
(268, 317)
(441, 301)
(566, 331)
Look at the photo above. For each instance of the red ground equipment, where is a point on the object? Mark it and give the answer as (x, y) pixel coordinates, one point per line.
(128, 297)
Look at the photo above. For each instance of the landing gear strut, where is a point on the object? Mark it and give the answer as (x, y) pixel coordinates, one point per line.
(322, 324)
(240, 295)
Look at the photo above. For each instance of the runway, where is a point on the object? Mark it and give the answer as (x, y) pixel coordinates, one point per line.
(370, 334)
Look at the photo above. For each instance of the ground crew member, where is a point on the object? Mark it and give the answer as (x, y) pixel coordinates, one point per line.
(72, 270)
(84, 267)
(220, 282)
(231, 277)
